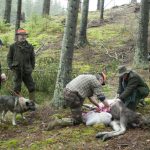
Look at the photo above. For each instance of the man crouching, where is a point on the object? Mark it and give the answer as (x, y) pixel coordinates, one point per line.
(83, 86)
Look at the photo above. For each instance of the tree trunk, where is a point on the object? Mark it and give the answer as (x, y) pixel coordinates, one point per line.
(65, 66)
(134, 1)
(80, 4)
(83, 25)
(98, 4)
(7, 11)
(19, 6)
(46, 7)
(102, 10)
(141, 51)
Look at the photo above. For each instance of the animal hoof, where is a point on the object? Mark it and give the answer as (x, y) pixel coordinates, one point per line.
(24, 118)
(100, 135)
(105, 137)
(14, 124)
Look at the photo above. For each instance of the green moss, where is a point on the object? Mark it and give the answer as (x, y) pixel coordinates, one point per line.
(88, 131)
(145, 110)
(80, 68)
(147, 100)
(10, 144)
(38, 145)
(34, 146)
(104, 33)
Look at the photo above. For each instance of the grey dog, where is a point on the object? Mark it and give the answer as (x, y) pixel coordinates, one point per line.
(15, 105)
(122, 118)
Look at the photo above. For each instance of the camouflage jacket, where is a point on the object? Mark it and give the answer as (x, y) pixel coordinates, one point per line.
(21, 57)
(133, 82)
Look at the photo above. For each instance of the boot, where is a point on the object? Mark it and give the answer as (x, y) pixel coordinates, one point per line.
(60, 122)
(32, 96)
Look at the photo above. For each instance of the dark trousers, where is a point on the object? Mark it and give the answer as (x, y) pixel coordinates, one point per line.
(133, 100)
(20, 77)
(75, 102)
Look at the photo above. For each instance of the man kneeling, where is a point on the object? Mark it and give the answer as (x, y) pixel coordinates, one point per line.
(83, 86)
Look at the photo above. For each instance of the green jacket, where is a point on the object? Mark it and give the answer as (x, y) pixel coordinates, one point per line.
(134, 82)
(21, 57)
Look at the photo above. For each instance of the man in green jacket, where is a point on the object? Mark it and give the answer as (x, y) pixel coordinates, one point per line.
(132, 87)
(21, 60)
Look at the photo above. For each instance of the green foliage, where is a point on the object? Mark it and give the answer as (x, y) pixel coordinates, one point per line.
(104, 33)
(80, 68)
(39, 144)
(147, 100)
(10, 144)
(4, 27)
(43, 29)
(45, 78)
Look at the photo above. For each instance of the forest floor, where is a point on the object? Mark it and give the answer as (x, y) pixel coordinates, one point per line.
(31, 134)
(111, 43)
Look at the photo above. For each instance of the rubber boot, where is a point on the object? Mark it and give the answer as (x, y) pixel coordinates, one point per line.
(60, 122)
(32, 96)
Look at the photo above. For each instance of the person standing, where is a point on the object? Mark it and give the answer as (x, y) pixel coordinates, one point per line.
(21, 60)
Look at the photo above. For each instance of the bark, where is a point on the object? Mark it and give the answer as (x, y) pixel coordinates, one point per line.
(102, 10)
(46, 7)
(83, 25)
(65, 66)
(98, 4)
(134, 1)
(80, 4)
(19, 7)
(141, 51)
(7, 11)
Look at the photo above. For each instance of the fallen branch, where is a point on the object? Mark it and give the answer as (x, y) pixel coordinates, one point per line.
(107, 53)
(40, 48)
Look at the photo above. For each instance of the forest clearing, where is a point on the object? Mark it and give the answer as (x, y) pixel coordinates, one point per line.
(95, 42)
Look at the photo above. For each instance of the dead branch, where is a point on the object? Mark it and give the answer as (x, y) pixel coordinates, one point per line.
(40, 48)
(107, 53)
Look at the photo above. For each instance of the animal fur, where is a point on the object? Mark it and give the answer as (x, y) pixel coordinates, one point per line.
(122, 117)
(15, 105)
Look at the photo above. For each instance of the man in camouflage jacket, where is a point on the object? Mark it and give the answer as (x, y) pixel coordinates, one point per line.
(132, 87)
(21, 60)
